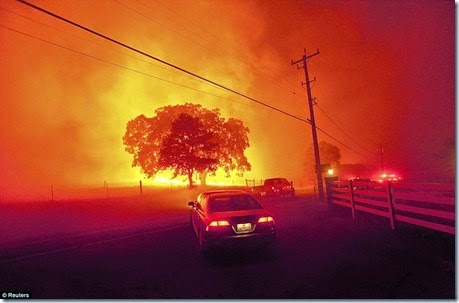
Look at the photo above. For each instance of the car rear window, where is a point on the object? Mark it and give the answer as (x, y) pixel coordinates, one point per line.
(232, 203)
(270, 182)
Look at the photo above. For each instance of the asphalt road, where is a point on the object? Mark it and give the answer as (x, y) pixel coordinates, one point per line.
(321, 253)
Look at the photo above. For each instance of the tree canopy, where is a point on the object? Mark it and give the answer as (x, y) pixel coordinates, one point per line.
(187, 139)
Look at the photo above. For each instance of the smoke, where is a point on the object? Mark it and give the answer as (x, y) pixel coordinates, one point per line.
(64, 110)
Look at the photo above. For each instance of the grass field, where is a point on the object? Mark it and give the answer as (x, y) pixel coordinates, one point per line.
(25, 220)
(365, 252)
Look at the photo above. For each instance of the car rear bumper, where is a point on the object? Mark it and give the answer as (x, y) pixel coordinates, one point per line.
(282, 194)
(241, 240)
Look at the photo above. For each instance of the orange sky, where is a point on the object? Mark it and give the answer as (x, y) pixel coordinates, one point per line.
(385, 74)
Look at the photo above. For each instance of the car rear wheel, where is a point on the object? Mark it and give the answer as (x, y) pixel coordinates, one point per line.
(191, 222)
(202, 245)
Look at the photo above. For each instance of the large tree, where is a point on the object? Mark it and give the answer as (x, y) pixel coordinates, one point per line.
(145, 138)
(189, 148)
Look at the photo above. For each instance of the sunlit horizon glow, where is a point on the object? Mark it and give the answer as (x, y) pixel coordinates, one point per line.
(165, 178)
(67, 95)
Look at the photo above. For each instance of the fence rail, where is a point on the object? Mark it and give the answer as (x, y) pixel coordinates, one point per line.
(58, 192)
(428, 205)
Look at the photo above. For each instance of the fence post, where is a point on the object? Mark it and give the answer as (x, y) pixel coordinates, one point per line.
(351, 195)
(329, 187)
(390, 201)
(140, 184)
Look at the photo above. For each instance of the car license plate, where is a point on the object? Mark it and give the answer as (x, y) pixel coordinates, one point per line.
(244, 227)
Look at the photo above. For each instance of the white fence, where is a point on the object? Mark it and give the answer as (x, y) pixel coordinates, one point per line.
(428, 205)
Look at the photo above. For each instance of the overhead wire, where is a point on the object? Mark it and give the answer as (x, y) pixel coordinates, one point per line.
(116, 51)
(316, 104)
(343, 144)
(188, 20)
(341, 129)
(115, 64)
(160, 60)
(99, 45)
(177, 68)
(159, 23)
(213, 44)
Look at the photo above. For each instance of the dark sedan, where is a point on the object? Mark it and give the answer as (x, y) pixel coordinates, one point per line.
(230, 219)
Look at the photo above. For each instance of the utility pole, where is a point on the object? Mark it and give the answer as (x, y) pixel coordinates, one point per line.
(304, 61)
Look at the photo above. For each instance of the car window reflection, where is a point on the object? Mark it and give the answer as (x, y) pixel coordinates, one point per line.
(233, 203)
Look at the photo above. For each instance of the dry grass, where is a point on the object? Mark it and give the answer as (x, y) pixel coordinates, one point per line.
(24, 221)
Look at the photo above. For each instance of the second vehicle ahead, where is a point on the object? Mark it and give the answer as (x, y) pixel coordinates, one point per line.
(275, 187)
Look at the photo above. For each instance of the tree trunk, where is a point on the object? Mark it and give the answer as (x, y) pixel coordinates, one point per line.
(203, 178)
(190, 179)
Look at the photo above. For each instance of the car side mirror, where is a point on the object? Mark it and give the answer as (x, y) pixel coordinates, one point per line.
(191, 203)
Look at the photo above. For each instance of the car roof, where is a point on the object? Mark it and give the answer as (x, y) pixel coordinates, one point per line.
(225, 192)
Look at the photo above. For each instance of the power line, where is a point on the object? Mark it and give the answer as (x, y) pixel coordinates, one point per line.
(186, 19)
(109, 62)
(160, 60)
(89, 41)
(142, 73)
(343, 144)
(159, 23)
(112, 50)
(238, 58)
(170, 65)
(336, 124)
(224, 43)
(113, 63)
(102, 46)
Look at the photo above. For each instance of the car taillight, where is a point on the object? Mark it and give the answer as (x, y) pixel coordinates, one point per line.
(265, 219)
(217, 223)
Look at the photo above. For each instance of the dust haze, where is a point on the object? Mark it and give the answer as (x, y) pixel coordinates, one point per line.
(384, 73)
